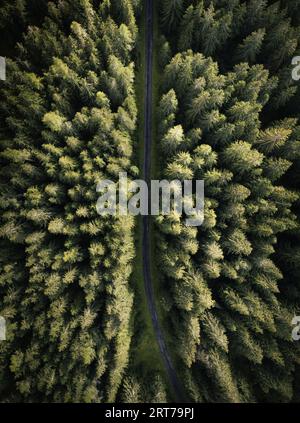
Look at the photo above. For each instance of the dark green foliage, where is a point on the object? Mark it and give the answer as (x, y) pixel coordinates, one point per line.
(135, 390)
(234, 31)
(171, 13)
(232, 326)
(249, 161)
(67, 119)
(228, 114)
(15, 17)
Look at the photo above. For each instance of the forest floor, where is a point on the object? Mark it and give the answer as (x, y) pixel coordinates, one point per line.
(149, 353)
(151, 288)
(145, 354)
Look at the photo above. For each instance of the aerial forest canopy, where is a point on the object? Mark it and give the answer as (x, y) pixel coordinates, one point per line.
(222, 285)
(68, 115)
(227, 112)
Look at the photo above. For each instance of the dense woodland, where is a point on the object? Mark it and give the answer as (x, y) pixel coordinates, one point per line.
(228, 114)
(68, 115)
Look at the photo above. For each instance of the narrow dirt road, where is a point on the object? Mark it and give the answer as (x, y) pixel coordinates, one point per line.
(176, 386)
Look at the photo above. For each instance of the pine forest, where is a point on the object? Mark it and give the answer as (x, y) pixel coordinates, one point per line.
(97, 306)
